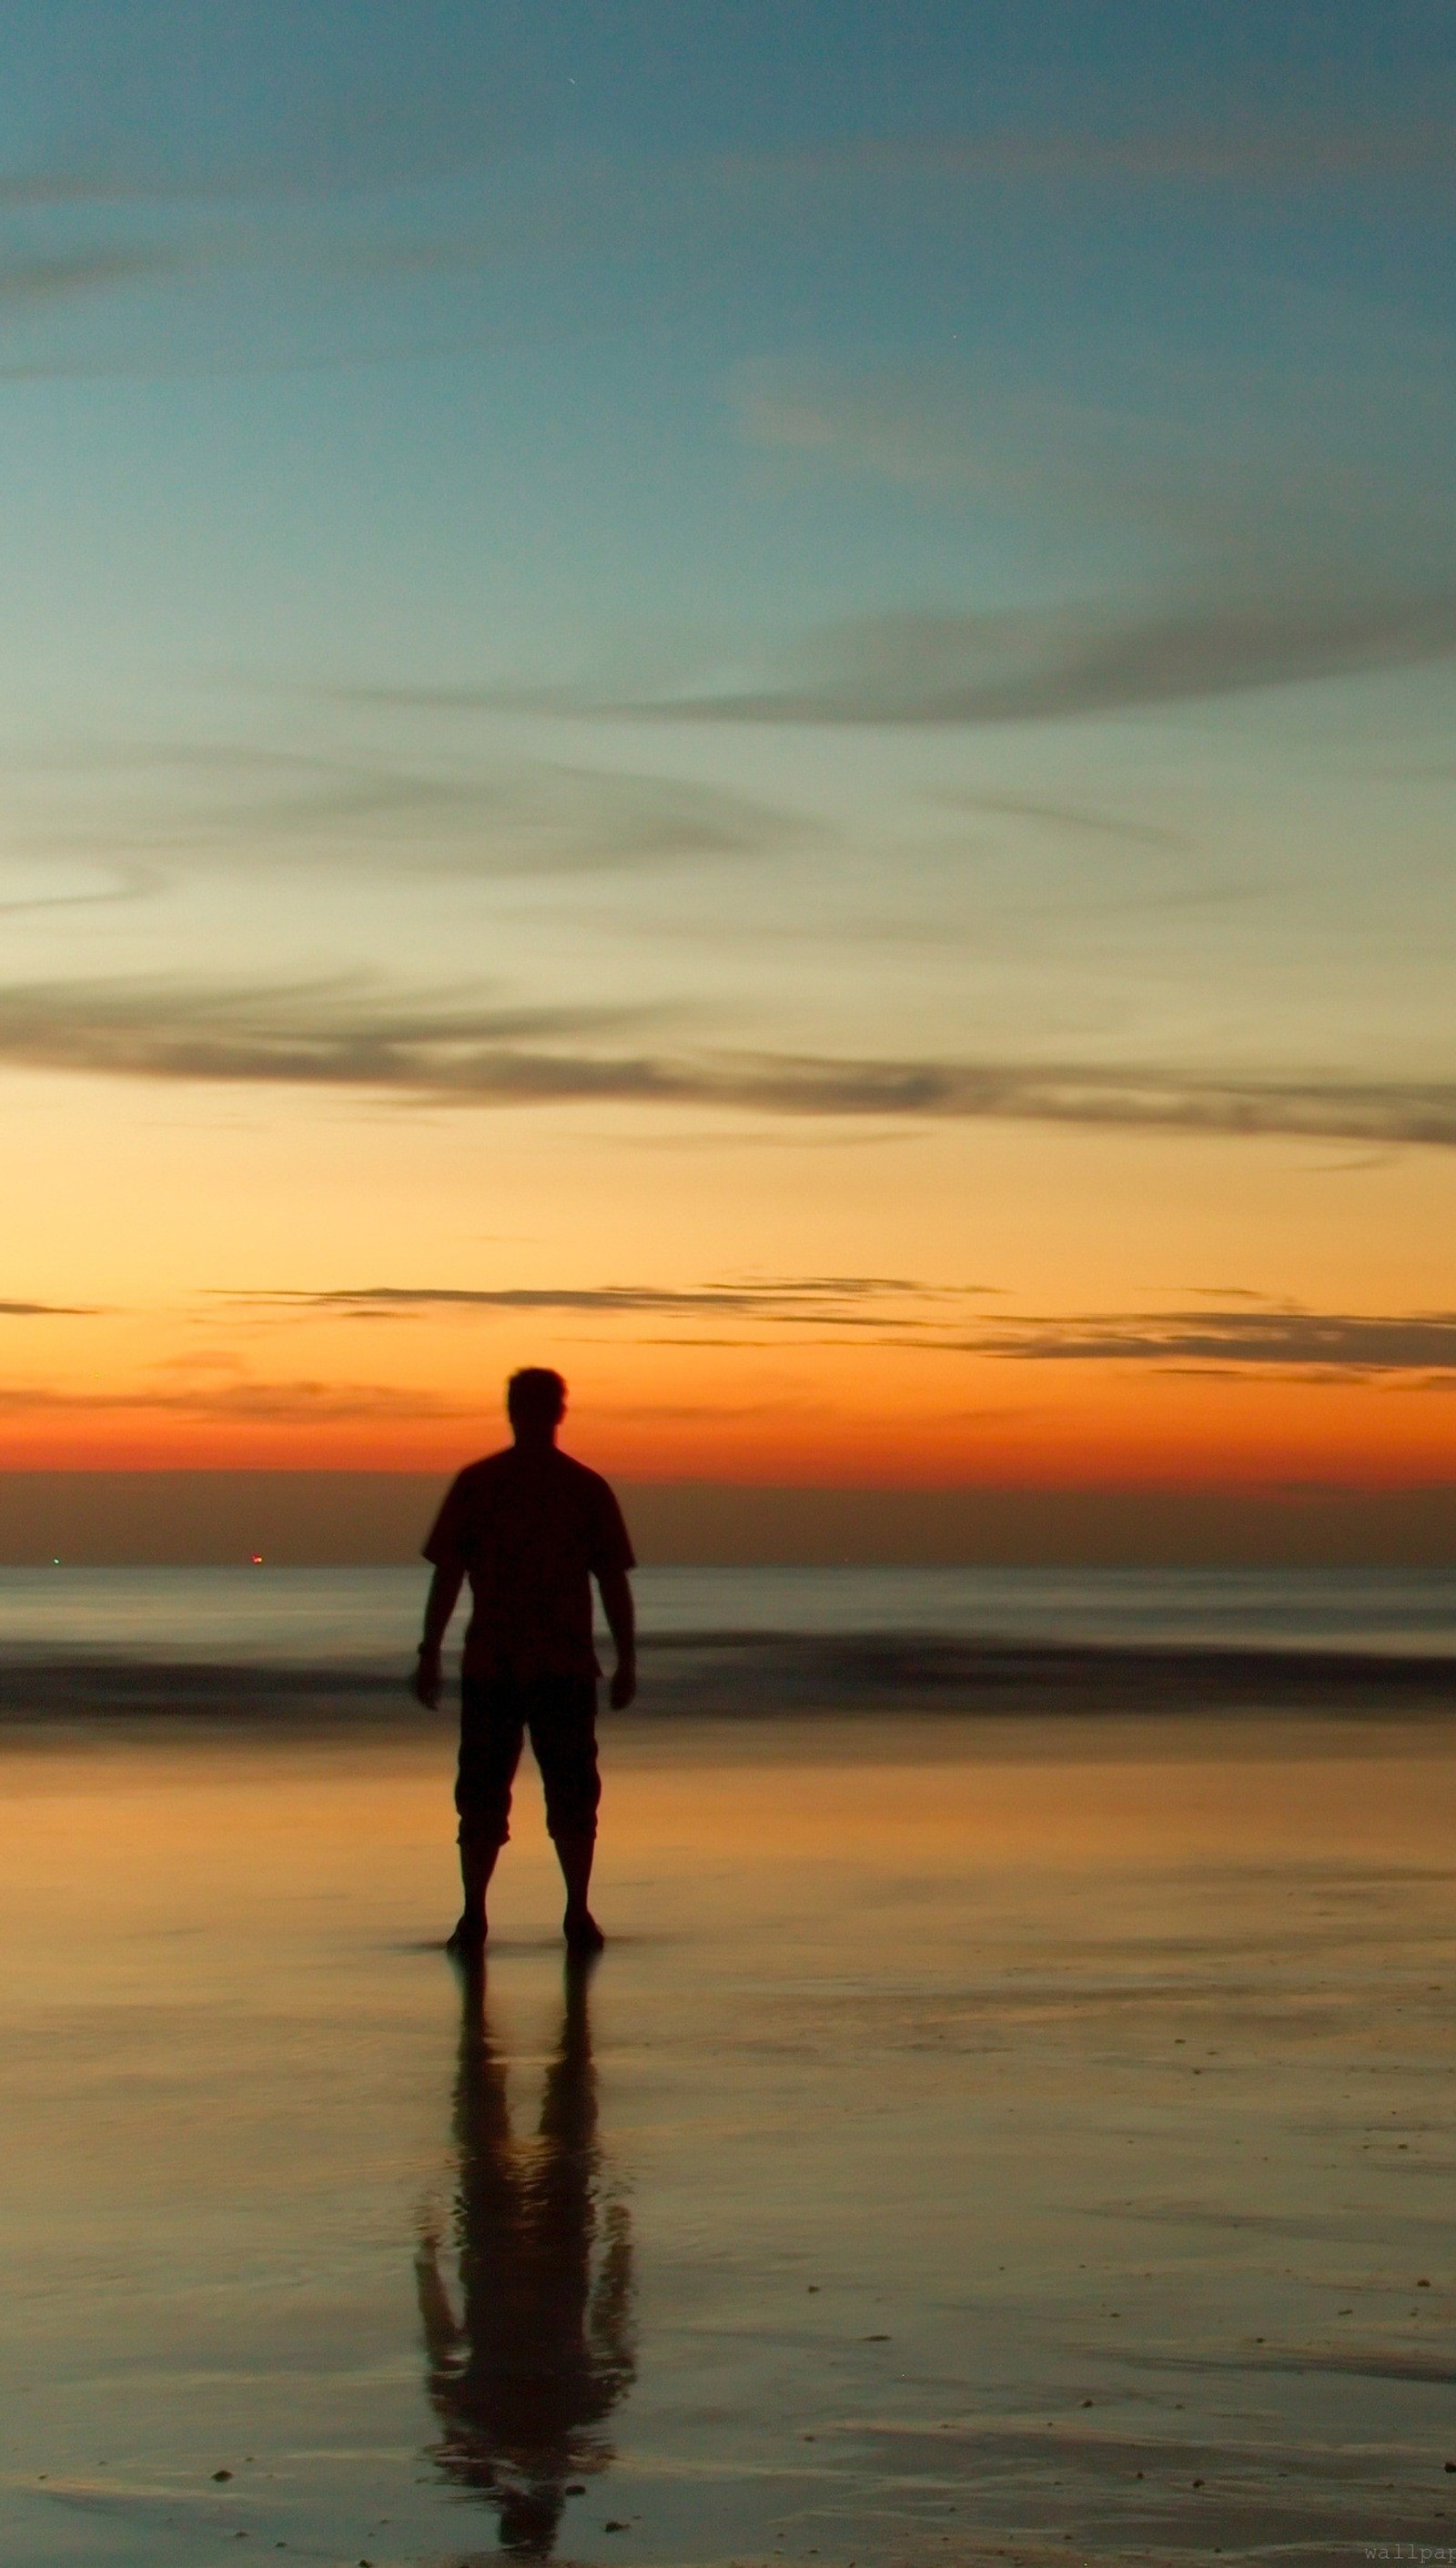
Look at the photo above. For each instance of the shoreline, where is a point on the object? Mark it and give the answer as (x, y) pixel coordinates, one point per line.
(756, 1676)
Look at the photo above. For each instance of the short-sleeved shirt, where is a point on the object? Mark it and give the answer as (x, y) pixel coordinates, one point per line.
(530, 1530)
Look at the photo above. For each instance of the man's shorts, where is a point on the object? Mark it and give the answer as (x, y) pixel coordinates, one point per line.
(560, 1714)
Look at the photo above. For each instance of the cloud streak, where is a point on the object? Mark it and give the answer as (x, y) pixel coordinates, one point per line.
(304, 1403)
(443, 181)
(834, 1301)
(49, 1310)
(29, 285)
(1308, 1345)
(337, 1035)
(941, 671)
(1240, 154)
(523, 818)
(136, 884)
(321, 1033)
(1066, 817)
(1320, 1342)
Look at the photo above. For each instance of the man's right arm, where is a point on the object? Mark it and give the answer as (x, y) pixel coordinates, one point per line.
(440, 1604)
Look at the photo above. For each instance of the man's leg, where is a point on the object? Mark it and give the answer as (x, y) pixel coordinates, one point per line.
(575, 1849)
(477, 1862)
(564, 1737)
(491, 1733)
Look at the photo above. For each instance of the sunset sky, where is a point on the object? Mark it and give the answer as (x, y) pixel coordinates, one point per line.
(753, 698)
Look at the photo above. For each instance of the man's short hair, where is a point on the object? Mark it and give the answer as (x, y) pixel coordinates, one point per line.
(535, 1391)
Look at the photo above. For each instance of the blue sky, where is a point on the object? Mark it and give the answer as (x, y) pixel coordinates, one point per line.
(482, 340)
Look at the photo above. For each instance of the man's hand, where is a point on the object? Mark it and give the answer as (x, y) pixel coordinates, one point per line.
(427, 1682)
(624, 1683)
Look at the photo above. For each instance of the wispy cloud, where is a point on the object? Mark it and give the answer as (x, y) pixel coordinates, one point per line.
(49, 1310)
(835, 1301)
(899, 1311)
(937, 671)
(436, 209)
(1068, 816)
(136, 882)
(1308, 536)
(1259, 557)
(454, 1050)
(304, 1403)
(329, 1033)
(420, 814)
(410, 141)
(1319, 1342)
(29, 284)
(1243, 153)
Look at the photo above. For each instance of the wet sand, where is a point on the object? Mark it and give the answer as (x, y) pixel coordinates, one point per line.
(990, 2136)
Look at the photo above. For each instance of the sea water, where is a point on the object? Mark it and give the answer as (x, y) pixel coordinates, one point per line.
(261, 1615)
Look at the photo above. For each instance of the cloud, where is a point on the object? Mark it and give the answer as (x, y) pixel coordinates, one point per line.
(521, 817)
(135, 883)
(263, 1403)
(460, 1051)
(29, 284)
(1319, 1343)
(323, 1033)
(1066, 816)
(1242, 153)
(812, 1301)
(49, 1310)
(942, 670)
(1311, 1346)
(412, 199)
(155, 117)
(1259, 555)
(1271, 463)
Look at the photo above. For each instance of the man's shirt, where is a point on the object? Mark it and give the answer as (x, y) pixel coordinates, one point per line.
(530, 1530)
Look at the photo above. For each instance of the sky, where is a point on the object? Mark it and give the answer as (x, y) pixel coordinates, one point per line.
(753, 698)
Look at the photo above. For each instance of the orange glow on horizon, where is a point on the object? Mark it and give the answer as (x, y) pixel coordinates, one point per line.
(251, 1324)
(1102, 1431)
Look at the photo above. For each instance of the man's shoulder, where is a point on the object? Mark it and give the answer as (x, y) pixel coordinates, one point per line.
(579, 1476)
(478, 1479)
(512, 1473)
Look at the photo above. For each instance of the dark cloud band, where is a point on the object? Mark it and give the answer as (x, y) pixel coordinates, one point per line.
(833, 1301)
(1344, 1342)
(333, 1035)
(1320, 1345)
(49, 1310)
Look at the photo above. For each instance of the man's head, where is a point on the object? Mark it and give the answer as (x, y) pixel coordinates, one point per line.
(536, 1402)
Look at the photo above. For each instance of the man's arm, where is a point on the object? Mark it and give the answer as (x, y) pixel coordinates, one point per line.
(621, 1617)
(440, 1604)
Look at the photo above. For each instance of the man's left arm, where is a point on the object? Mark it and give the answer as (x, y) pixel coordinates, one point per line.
(621, 1616)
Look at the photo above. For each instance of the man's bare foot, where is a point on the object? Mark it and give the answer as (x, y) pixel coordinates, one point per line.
(468, 1936)
(583, 1934)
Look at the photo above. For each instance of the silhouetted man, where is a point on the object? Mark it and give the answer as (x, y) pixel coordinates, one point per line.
(525, 2378)
(531, 1529)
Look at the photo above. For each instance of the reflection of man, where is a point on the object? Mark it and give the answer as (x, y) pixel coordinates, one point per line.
(531, 1528)
(541, 2351)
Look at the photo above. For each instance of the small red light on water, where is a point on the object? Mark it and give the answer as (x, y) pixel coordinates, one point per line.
(257, 1559)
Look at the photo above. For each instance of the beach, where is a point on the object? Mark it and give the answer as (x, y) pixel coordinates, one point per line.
(986, 2134)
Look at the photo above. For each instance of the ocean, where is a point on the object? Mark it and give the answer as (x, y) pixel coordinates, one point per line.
(264, 1616)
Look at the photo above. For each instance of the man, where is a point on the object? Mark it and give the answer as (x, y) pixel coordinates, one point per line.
(531, 1529)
